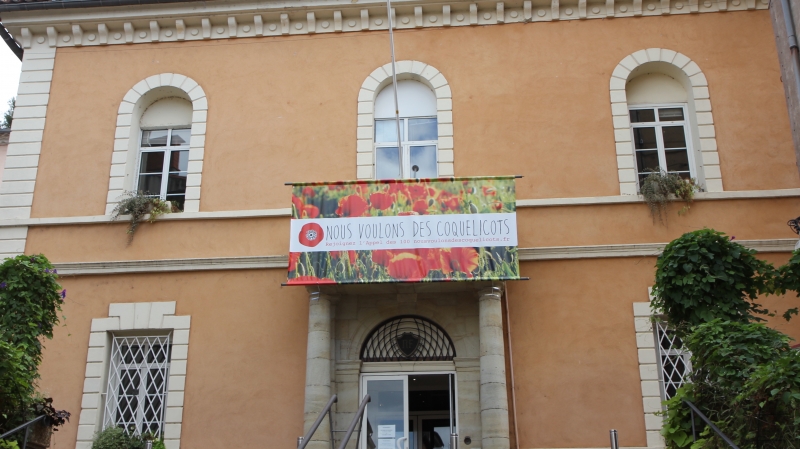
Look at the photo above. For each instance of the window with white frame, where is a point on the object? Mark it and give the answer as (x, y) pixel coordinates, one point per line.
(136, 397)
(673, 360)
(163, 164)
(661, 140)
(419, 132)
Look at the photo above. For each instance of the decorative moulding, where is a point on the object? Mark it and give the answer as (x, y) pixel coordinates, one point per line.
(626, 166)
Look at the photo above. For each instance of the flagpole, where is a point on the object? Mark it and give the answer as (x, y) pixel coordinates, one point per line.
(394, 87)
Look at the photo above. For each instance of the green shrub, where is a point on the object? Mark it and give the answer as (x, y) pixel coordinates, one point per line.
(746, 379)
(8, 444)
(660, 188)
(704, 275)
(116, 438)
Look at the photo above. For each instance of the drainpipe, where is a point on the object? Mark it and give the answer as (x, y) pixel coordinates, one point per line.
(511, 365)
(12, 44)
(791, 38)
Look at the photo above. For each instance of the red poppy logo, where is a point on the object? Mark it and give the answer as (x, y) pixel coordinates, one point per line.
(311, 235)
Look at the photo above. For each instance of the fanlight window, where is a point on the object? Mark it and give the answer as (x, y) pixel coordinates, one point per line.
(407, 338)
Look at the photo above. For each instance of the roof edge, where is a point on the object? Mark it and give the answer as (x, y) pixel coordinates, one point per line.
(60, 4)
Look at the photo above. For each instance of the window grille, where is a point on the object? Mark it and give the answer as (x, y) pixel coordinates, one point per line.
(137, 384)
(407, 338)
(674, 361)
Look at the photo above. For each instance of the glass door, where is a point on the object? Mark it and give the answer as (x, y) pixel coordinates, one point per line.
(385, 423)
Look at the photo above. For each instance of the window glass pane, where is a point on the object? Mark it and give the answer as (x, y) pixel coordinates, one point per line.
(422, 129)
(179, 160)
(180, 137)
(386, 130)
(674, 137)
(154, 138)
(670, 114)
(387, 163)
(644, 138)
(152, 162)
(677, 160)
(150, 184)
(424, 158)
(176, 183)
(177, 201)
(647, 161)
(643, 115)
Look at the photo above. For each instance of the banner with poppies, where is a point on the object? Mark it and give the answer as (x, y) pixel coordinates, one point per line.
(404, 230)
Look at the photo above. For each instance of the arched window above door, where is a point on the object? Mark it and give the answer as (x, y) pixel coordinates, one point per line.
(407, 338)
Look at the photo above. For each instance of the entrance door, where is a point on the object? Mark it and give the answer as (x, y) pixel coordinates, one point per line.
(413, 411)
(386, 417)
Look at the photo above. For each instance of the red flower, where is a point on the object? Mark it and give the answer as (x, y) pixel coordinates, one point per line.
(310, 211)
(298, 204)
(462, 259)
(310, 280)
(351, 255)
(308, 192)
(411, 212)
(311, 234)
(453, 204)
(433, 260)
(352, 206)
(417, 191)
(406, 266)
(420, 207)
(293, 259)
(381, 200)
(382, 256)
(489, 191)
(497, 205)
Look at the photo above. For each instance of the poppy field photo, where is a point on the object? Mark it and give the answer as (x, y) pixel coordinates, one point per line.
(413, 198)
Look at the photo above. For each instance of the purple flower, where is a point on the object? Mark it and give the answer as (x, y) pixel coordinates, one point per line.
(55, 271)
(46, 270)
(3, 285)
(733, 237)
(63, 293)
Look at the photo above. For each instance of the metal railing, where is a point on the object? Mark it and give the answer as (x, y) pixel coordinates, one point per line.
(27, 427)
(303, 440)
(710, 424)
(355, 420)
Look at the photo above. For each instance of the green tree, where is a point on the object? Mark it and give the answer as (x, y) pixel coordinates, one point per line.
(30, 303)
(8, 116)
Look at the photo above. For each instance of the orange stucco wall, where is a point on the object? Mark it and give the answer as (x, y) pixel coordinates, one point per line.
(529, 99)
(247, 343)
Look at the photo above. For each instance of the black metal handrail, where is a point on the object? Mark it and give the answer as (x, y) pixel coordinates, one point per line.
(694, 410)
(303, 440)
(355, 420)
(27, 427)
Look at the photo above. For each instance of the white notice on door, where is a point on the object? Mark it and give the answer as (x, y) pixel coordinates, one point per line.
(386, 443)
(386, 431)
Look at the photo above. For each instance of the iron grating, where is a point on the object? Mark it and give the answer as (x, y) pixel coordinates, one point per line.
(407, 338)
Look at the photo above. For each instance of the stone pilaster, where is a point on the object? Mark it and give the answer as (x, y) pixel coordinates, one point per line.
(494, 396)
(318, 368)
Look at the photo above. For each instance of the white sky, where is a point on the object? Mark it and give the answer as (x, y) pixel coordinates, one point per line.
(9, 75)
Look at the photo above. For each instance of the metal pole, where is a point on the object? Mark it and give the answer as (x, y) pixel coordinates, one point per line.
(303, 441)
(614, 439)
(394, 87)
(25, 441)
(453, 440)
(148, 444)
(694, 434)
(330, 425)
(791, 38)
(355, 421)
(299, 441)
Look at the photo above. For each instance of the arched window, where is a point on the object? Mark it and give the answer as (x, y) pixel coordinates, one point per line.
(164, 150)
(659, 113)
(418, 130)
(661, 110)
(407, 338)
(159, 142)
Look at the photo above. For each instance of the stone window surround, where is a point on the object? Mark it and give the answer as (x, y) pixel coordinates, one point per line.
(648, 372)
(708, 167)
(126, 137)
(382, 77)
(133, 317)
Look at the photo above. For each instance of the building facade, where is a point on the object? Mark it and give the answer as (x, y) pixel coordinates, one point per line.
(187, 331)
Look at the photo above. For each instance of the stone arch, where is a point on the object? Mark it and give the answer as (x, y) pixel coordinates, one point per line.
(380, 78)
(126, 142)
(704, 134)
